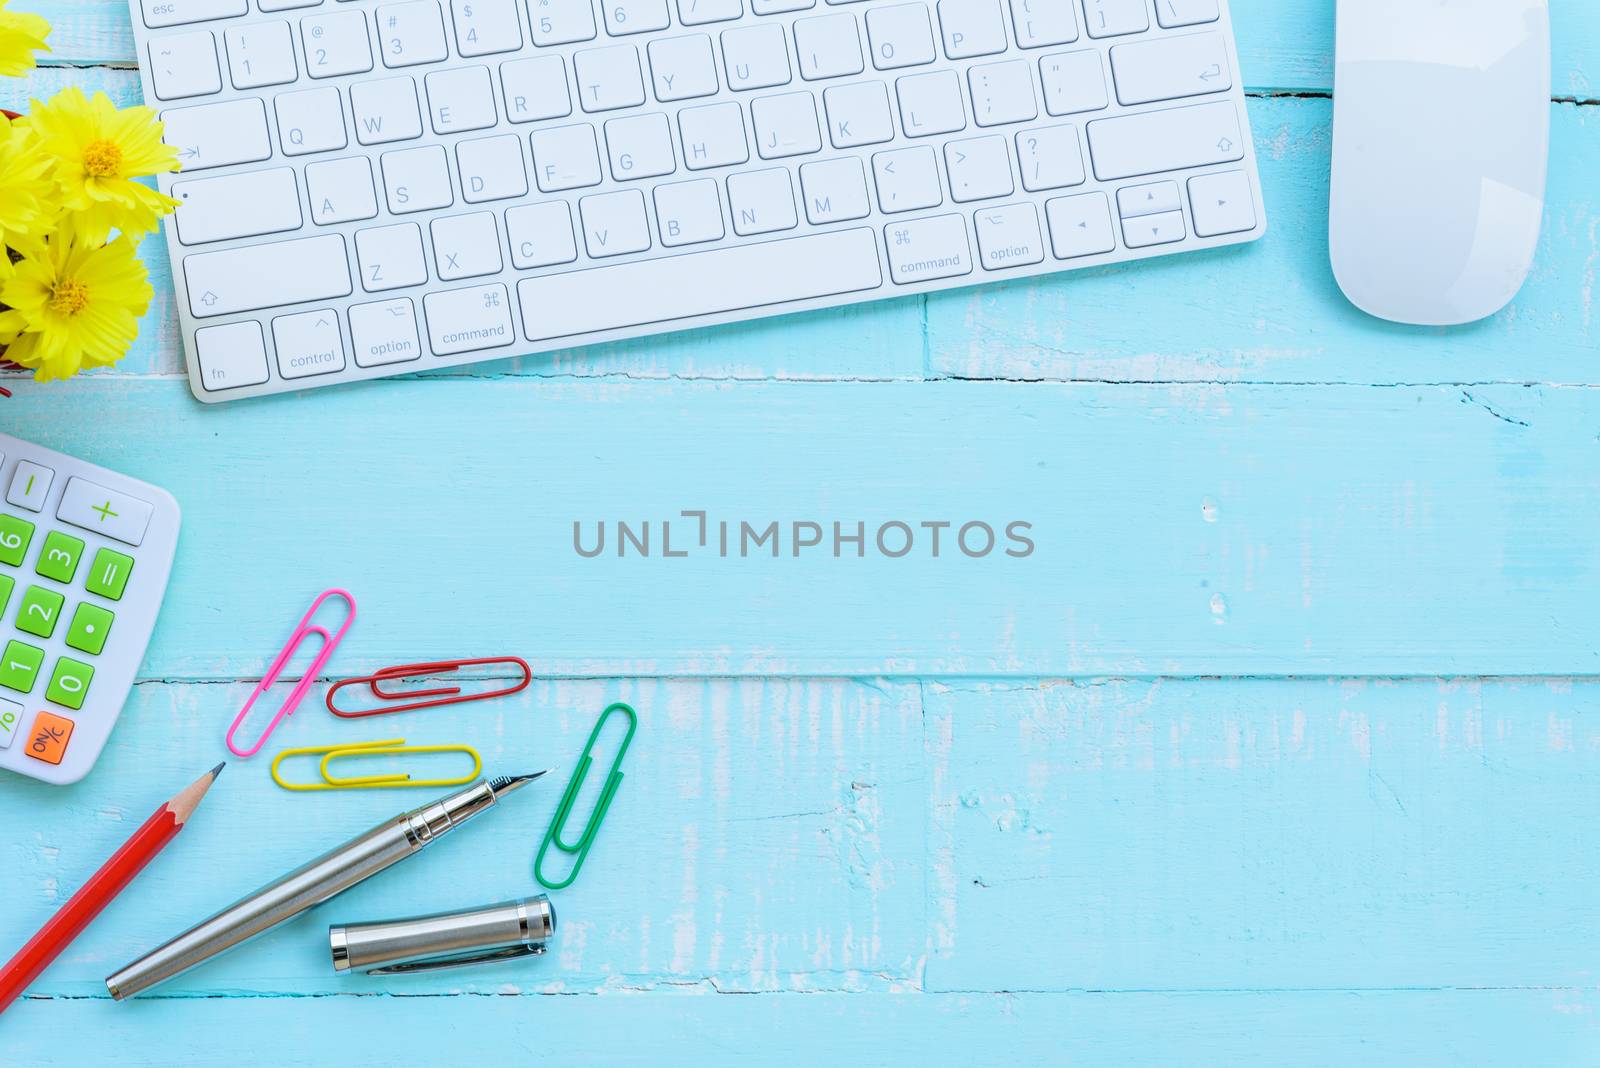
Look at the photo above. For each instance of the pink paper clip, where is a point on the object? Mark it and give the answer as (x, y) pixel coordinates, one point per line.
(329, 643)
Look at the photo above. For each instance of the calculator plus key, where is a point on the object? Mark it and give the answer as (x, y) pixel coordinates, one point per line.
(105, 511)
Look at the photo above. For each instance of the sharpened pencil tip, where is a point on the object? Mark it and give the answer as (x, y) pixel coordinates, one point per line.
(218, 769)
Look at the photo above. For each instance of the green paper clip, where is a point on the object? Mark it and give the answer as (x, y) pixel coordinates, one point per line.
(580, 848)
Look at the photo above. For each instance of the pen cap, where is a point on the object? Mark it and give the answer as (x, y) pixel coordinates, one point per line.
(444, 940)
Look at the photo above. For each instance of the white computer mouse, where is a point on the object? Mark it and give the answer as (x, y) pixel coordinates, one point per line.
(1441, 135)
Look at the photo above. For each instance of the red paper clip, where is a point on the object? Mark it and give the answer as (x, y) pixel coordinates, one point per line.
(432, 698)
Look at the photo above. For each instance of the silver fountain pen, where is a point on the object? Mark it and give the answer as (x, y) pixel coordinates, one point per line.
(331, 874)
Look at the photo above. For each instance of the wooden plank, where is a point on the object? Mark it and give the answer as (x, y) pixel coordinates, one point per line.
(768, 835)
(1419, 1029)
(1178, 529)
(1283, 44)
(1298, 834)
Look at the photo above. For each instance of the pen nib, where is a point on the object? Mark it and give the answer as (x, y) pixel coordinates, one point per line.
(506, 783)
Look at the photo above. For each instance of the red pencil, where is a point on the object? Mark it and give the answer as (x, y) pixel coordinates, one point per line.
(102, 887)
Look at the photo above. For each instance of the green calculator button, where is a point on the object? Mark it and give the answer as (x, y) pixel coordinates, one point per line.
(89, 628)
(39, 611)
(69, 683)
(59, 558)
(15, 534)
(7, 584)
(19, 666)
(108, 575)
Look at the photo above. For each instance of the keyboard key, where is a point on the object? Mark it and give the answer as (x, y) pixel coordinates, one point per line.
(907, 179)
(561, 21)
(1008, 237)
(1168, 68)
(1172, 13)
(48, 737)
(384, 332)
(858, 114)
(673, 287)
(417, 179)
(486, 27)
(335, 44)
(460, 100)
(69, 685)
(491, 169)
(15, 534)
(159, 13)
(565, 158)
(535, 89)
(761, 202)
(230, 356)
(1002, 93)
(713, 136)
(1044, 22)
(834, 191)
(108, 575)
(972, 28)
(682, 68)
(785, 125)
(700, 12)
(780, 7)
(540, 235)
(614, 224)
(260, 55)
(391, 257)
(309, 343)
(689, 213)
(59, 556)
(640, 146)
(311, 120)
(900, 36)
(90, 627)
(1154, 198)
(1222, 203)
(1171, 140)
(609, 78)
(921, 250)
(931, 103)
(756, 57)
(39, 611)
(829, 46)
(1113, 18)
(218, 135)
(266, 276)
(979, 169)
(467, 320)
(184, 65)
(209, 208)
(30, 483)
(7, 584)
(635, 16)
(1073, 82)
(385, 110)
(1050, 158)
(286, 5)
(19, 666)
(411, 33)
(466, 246)
(1080, 225)
(10, 722)
(341, 190)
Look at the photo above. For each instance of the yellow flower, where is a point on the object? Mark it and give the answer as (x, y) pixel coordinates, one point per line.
(21, 35)
(26, 188)
(77, 306)
(98, 152)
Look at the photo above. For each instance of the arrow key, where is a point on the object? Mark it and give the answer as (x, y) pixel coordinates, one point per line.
(1156, 198)
(1080, 225)
(1222, 203)
(1148, 230)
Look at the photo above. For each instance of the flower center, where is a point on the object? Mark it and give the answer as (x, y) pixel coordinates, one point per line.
(102, 159)
(69, 297)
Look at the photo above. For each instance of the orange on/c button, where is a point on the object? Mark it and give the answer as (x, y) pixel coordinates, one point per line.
(47, 741)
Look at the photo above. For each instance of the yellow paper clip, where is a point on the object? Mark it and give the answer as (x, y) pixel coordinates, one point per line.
(330, 753)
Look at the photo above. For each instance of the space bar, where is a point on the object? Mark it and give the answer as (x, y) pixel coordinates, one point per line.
(699, 283)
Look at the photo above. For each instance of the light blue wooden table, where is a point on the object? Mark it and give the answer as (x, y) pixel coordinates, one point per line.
(1282, 748)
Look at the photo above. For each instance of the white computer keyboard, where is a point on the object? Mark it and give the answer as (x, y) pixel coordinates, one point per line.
(373, 187)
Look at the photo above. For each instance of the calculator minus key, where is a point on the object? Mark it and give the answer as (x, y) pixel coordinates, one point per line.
(468, 320)
(92, 506)
(30, 483)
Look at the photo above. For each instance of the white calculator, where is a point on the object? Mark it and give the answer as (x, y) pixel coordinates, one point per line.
(85, 554)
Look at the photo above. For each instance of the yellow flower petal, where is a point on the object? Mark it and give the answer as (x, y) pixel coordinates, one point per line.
(80, 304)
(21, 35)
